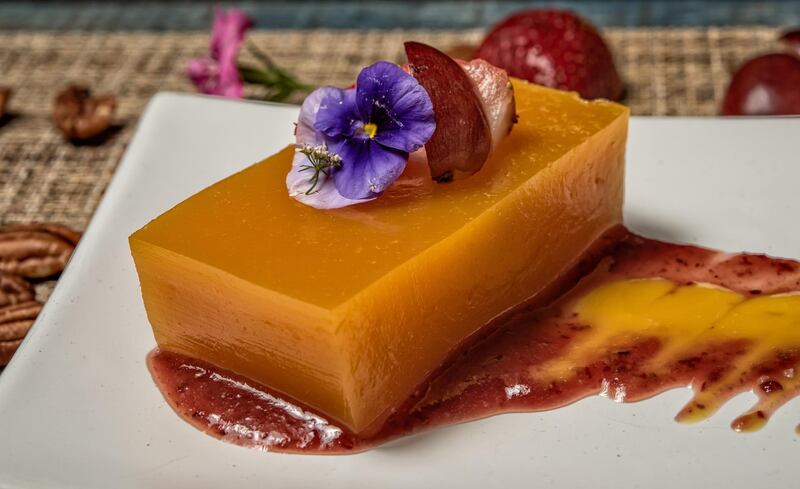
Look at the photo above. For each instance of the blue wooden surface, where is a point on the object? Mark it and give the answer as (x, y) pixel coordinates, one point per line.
(161, 16)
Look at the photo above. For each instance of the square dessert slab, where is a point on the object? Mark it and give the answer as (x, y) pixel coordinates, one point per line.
(78, 408)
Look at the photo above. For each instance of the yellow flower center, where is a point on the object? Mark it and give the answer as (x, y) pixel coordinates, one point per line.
(370, 129)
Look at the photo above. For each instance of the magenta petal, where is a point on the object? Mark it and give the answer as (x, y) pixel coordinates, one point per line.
(230, 83)
(219, 74)
(204, 75)
(367, 167)
(228, 30)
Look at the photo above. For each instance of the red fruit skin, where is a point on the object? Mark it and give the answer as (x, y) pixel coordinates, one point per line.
(462, 139)
(766, 85)
(555, 48)
(791, 40)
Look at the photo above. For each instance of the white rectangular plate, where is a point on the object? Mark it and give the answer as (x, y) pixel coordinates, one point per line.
(78, 408)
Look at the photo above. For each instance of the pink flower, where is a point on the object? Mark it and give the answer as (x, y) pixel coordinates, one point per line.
(218, 74)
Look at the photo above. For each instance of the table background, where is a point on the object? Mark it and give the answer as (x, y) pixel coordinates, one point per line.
(675, 58)
(385, 14)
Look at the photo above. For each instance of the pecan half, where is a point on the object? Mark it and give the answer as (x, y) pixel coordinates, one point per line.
(7, 350)
(16, 320)
(5, 95)
(81, 116)
(33, 254)
(14, 290)
(64, 232)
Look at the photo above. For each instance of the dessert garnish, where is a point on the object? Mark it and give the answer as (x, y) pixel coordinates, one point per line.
(462, 140)
(352, 144)
(320, 162)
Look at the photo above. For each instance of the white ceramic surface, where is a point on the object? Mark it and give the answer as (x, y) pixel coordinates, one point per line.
(78, 408)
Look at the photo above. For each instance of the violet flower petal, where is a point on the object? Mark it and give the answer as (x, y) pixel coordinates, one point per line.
(305, 132)
(338, 114)
(371, 129)
(397, 104)
(367, 167)
(325, 196)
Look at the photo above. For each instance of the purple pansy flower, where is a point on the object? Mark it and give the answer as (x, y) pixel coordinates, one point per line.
(319, 193)
(218, 74)
(352, 144)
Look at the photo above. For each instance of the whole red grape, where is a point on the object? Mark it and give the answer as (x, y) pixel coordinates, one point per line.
(765, 85)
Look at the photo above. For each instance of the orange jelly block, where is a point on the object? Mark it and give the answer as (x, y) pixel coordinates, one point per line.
(348, 311)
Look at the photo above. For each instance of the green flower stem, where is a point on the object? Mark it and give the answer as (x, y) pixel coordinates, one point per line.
(280, 84)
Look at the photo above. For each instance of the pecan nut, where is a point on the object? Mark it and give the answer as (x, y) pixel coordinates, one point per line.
(64, 232)
(14, 290)
(33, 254)
(16, 320)
(5, 95)
(81, 116)
(7, 350)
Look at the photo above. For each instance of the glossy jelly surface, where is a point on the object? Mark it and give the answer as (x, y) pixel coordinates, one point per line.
(351, 310)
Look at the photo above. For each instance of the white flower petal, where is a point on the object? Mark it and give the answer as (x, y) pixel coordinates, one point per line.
(324, 196)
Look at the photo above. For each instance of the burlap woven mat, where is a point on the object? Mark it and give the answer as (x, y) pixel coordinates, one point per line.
(43, 178)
